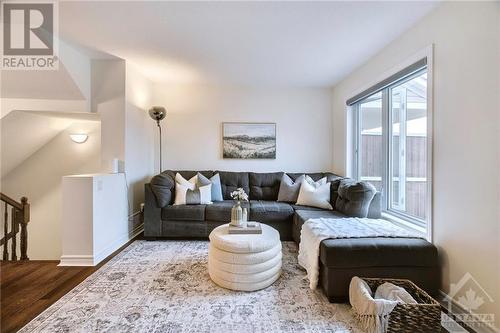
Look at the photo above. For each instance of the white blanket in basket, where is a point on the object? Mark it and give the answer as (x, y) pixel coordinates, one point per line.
(316, 230)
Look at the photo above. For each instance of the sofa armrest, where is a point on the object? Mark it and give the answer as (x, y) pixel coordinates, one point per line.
(152, 214)
(354, 198)
(163, 187)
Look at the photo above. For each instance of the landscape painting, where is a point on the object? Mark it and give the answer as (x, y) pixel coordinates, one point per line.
(249, 140)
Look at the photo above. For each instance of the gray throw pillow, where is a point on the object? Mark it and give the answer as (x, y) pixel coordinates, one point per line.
(216, 185)
(289, 189)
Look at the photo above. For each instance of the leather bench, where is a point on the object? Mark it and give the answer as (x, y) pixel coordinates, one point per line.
(342, 259)
(400, 258)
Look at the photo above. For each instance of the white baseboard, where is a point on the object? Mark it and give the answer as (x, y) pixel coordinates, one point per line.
(458, 310)
(104, 253)
(77, 260)
(93, 260)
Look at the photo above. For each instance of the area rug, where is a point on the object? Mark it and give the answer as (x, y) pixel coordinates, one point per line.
(164, 286)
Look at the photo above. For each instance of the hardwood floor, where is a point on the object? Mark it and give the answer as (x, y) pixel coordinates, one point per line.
(28, 288)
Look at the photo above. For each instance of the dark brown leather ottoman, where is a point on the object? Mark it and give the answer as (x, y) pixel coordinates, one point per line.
(403, 258)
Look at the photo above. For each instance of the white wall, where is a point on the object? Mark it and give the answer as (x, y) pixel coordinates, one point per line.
(94, 208)
(108, 100)
(466, 216)
(122, 96)
(39, 179)
(192, 129)
(139, 131)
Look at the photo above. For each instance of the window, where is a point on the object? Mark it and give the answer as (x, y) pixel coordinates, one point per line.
(391, 142)
(408, 147)
(370, 154)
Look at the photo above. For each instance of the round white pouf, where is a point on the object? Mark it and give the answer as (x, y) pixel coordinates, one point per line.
(244, 262)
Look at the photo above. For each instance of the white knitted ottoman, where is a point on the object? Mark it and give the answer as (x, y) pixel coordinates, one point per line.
(244, 262)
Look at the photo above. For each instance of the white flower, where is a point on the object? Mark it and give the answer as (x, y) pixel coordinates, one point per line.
(239, 195)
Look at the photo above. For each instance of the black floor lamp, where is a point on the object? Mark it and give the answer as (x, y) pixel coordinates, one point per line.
(158, 113)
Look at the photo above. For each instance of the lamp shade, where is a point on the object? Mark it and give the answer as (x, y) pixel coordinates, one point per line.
(157, 113)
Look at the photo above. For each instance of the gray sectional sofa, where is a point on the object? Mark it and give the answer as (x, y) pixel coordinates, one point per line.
(340, 259)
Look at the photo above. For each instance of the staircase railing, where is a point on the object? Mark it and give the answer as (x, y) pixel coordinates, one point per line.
(19, 218)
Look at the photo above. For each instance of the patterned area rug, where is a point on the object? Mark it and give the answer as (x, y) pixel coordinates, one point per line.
(164, 286)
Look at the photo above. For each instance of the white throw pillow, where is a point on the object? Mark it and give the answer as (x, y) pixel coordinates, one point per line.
(199, 196)
(188, 193)
(191, 183)
(320, 182)
(315, 196)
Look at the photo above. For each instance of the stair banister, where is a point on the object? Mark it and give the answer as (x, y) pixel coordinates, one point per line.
(19, 218)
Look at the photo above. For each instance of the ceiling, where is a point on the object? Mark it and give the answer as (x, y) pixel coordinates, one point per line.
(247, 43)
(42, 126)
(54, 84)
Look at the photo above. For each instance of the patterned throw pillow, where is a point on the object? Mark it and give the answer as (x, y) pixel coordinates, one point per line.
(189, 192)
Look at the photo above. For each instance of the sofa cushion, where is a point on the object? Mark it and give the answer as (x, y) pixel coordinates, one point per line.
(331, 176)
(270, 211)
(230, 181)
(220, 211)
(163, 184)
(354, 198)
(300, 207)
(334, 189)
(377, 252)
(188, 174)
(306, 214)
(183, 213)
(315, 175)
(264, 186)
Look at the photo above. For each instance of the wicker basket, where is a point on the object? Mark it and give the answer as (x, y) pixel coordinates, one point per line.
(422, 317)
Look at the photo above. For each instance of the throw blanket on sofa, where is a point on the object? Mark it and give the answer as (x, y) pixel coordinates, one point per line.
(314, 231)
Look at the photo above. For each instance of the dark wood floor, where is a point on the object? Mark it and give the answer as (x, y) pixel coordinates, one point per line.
(28, 288)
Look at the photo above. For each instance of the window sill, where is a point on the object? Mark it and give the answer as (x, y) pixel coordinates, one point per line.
(405, 224)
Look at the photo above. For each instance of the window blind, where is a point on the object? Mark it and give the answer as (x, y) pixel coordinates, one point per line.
(402, 74)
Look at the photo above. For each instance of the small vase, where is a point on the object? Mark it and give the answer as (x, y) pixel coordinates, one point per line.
(244, 218)
(236, 215)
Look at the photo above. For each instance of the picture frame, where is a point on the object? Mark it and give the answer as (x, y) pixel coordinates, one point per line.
(248, 140)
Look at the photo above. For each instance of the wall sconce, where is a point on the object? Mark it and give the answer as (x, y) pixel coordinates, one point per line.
(79, 138)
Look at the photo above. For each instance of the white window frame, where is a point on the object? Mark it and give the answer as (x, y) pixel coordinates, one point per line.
(352, 141)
